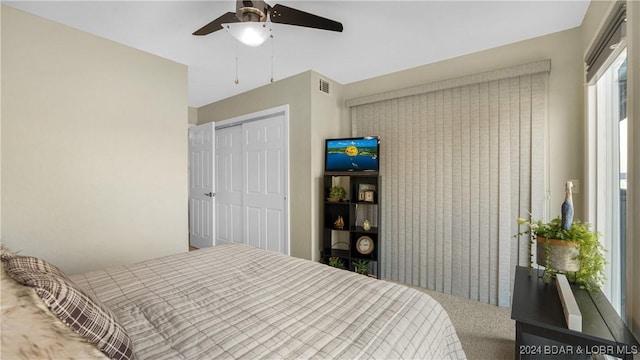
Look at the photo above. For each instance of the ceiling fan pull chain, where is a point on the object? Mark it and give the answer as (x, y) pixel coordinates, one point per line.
(271, 58)
(237, 81)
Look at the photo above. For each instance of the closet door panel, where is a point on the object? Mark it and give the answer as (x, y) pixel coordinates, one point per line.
(265, 194)
(229, 180)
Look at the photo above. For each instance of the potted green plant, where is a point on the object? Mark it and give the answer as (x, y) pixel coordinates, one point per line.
(336, 262)
(337, 193)
(361, 267)
(576, 251)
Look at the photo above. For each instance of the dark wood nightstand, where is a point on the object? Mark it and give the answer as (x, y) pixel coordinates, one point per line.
(541, 329)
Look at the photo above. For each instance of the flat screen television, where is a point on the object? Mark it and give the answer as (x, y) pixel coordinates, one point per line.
(352, 154)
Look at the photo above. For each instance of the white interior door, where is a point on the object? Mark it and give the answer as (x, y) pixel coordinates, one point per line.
(229, 183)
(201, 185)
(265, 197)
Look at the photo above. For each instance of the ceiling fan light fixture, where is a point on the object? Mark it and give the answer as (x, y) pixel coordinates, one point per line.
(249, 33)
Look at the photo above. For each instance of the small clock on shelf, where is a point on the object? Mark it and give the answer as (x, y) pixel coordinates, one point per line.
(364, 245)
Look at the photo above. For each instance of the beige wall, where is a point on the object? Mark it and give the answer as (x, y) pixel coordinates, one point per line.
(94, 149)
(313, 116)
(295, 92)
(565, 140)
(91, 134)
(565, 114)
(325, 123)
(193, 115)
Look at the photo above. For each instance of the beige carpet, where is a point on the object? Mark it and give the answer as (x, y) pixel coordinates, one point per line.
(486, 331)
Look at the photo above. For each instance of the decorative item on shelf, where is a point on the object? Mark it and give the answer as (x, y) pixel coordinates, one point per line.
(560, 255)
(572, 314)
(366, 192)
(339, 223)
(361, 267)
(368, 196)
(337, 193)
(366, 225)
(364, 245)
(336, 262)
(576, 251)
(567, 206)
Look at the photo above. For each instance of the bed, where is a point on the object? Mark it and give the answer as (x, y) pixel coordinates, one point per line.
(239, 302)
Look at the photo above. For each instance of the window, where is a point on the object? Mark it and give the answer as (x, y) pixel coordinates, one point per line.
(607, 166)
(609, 212)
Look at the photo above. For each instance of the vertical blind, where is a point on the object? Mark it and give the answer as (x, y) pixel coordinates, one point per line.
(460, 160)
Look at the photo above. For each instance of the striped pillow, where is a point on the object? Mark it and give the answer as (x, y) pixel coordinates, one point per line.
(85, 315)
(33, 264)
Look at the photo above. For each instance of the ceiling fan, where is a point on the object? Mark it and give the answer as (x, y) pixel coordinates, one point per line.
(257, 11)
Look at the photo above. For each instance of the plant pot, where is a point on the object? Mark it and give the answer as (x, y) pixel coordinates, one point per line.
(333, 199)
(563, 254)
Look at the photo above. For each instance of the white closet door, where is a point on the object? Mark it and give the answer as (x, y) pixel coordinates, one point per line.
(229, 180)
(201, 185)
(264, 197)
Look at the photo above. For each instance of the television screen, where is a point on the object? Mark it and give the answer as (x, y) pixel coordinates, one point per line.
(352, 154)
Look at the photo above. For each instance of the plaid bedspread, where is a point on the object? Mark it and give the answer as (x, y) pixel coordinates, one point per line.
(238, 302)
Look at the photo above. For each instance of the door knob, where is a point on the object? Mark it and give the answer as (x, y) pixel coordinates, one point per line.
(210, 194)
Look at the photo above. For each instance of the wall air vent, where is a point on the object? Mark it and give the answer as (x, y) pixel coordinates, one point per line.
(324, 86)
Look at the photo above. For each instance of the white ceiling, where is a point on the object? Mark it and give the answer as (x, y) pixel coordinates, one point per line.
(379, 37)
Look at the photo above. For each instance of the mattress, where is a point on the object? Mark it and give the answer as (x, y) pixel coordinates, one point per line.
(238, 302)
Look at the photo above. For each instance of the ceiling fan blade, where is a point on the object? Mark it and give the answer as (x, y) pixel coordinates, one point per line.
(216, 24)
(285, 15)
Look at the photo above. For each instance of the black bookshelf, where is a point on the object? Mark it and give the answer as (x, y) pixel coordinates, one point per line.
(362, 202)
